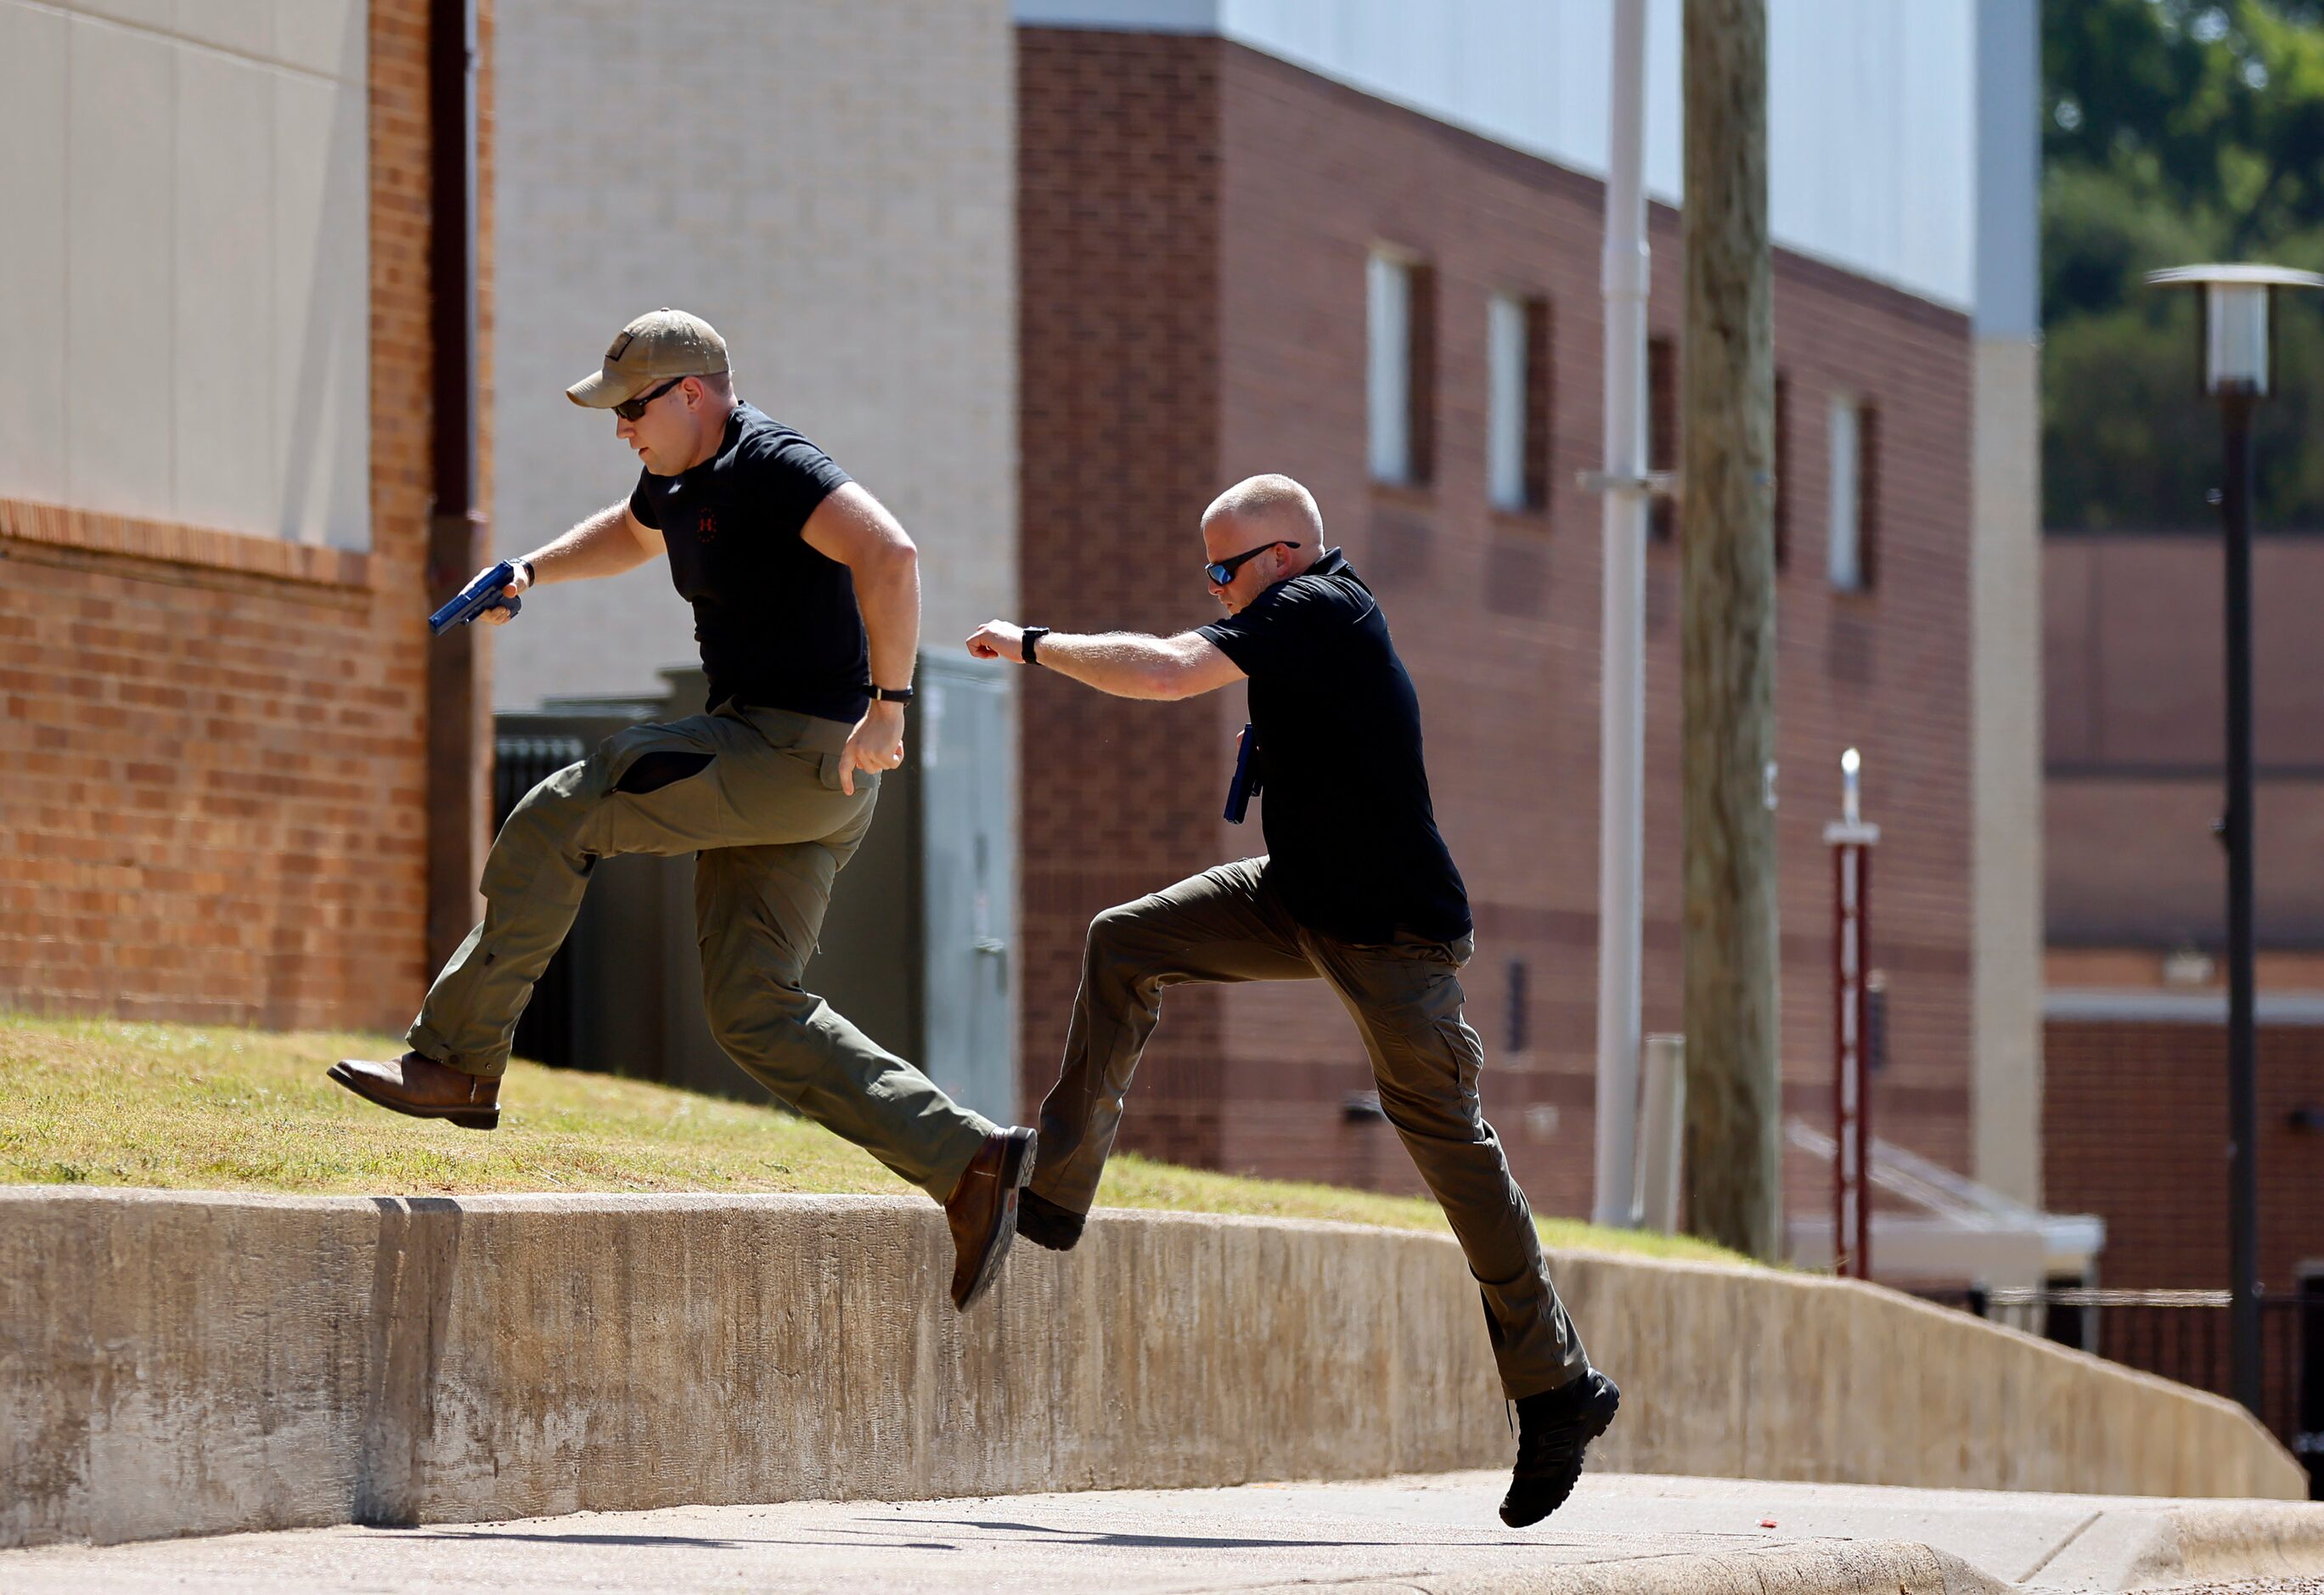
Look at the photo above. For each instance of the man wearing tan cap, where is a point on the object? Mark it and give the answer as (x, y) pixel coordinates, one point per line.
(807, 605)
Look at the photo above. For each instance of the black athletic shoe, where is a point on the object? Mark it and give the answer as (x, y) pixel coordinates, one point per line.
(1044, 1224)
(1554, 1429)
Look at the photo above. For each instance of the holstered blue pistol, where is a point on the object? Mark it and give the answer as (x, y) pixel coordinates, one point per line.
(1246, 783)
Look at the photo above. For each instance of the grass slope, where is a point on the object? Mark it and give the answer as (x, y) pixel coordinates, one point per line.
(101, 1101)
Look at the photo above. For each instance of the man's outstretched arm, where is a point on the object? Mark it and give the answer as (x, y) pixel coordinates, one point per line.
(1127, 664)
(607, 543)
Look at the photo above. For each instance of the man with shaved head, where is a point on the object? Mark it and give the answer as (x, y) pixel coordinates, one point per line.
(1356, 890)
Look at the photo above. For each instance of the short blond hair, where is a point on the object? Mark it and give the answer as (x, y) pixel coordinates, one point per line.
(1269, 497)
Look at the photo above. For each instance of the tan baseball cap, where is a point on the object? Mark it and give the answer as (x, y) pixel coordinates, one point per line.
(658, 346)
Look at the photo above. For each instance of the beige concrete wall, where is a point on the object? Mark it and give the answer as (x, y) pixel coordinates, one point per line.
(2006, 781)
(832, 183)
(177, 1363)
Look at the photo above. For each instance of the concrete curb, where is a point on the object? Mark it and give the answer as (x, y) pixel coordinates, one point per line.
(187, 1362)
(1814, 1567)
(2181, 1544)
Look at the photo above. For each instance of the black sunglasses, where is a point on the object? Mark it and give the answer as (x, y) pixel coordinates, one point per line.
(1224, 570)
(631, 410)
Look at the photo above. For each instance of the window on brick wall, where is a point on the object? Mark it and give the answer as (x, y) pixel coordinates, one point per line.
(1662, 429)
(1516, 401)
(1400, 368)
(1854, 494)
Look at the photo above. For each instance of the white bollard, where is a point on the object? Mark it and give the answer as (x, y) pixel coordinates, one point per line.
(1661, 1134)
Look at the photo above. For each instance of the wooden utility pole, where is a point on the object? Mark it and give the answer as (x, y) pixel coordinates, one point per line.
(1728, 652)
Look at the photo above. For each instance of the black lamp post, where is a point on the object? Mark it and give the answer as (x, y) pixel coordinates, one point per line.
(2238, 367)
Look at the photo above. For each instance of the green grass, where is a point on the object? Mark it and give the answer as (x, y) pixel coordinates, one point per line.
(108, 1103)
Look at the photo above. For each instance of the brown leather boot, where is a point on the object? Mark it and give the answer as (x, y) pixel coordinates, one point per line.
(425, 1089)
(983, 1212)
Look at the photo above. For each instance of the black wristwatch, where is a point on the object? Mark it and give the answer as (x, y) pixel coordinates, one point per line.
(1032, 648)
(891, 694)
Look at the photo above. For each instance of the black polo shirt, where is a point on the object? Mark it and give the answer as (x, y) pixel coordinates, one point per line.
(776, 621)
(1352, 837)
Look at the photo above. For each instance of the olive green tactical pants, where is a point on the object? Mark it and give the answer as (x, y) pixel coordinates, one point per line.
(1228, 924)
(756, 793)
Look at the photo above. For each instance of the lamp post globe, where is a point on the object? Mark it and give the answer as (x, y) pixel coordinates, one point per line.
(2238, 355)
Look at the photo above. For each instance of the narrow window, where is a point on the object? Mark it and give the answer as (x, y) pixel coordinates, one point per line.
(1662, 429)
(1390, 385)
(1854, 491)
(1516, 384)
(1399, 368)
(1505, 401)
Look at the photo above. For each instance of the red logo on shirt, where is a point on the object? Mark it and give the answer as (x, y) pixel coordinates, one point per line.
(707, 528)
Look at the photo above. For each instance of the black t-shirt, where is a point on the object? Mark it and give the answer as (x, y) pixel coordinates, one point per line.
(1352, 837)
(776, 621)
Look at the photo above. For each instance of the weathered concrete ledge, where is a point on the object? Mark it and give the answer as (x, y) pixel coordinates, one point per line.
(1816, 1567)
(182, 1362)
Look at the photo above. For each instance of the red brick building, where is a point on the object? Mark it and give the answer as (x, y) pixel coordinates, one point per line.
(1195, 220)
(216, 738)
(2135, 1115)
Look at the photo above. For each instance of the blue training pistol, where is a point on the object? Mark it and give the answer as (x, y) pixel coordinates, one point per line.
(483, 593)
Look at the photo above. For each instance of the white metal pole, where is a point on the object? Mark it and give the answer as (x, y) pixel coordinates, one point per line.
(1623, 707)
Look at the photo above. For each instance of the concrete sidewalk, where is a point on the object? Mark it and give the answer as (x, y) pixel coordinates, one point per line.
(1435, 1534)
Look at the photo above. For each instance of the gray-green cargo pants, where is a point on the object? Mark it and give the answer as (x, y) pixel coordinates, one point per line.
(755, 792)
(1228, 924)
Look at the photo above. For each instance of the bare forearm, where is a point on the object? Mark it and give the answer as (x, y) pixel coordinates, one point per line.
(1127, 664)
(602, 545)
(888, 592)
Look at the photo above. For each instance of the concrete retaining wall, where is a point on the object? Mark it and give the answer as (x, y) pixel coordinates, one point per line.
(179, 1362)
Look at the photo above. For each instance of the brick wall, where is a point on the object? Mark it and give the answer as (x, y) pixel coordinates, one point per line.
(2133, 673)
(211, 804)
(1196, 221)
(2135, 1129)
(1118, 362)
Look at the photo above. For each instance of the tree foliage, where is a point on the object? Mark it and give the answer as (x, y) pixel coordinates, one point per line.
(2176, 132)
